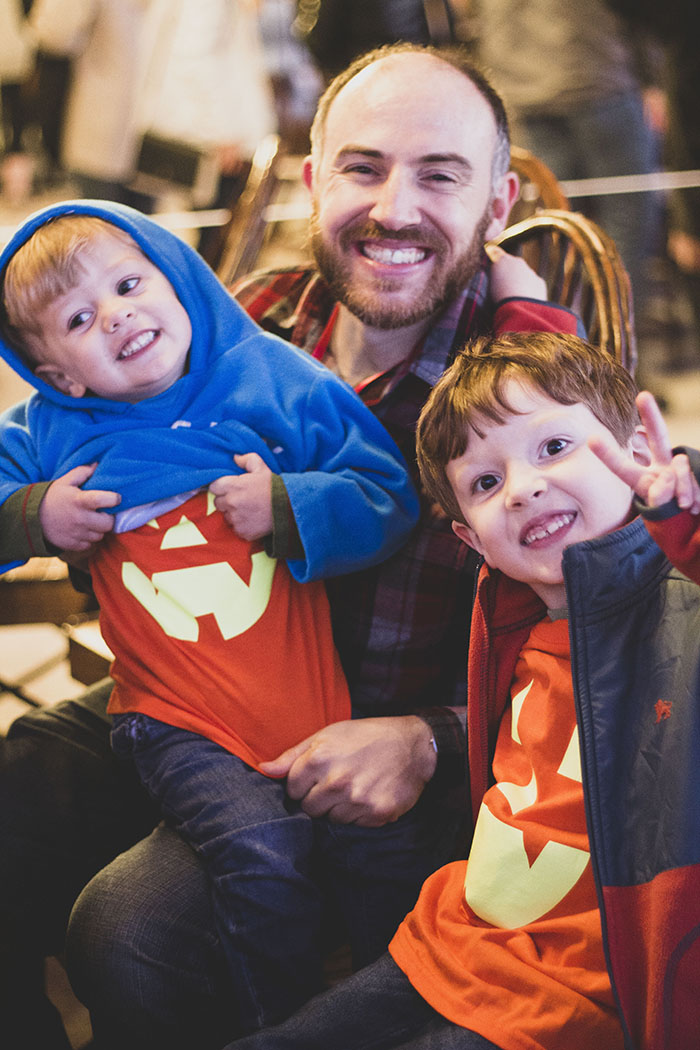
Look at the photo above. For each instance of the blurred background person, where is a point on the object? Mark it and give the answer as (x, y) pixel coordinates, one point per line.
(189, 72)
(16, 66)
(582, 93)
(336, 31)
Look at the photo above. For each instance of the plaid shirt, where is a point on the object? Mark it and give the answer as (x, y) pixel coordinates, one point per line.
(400, 627)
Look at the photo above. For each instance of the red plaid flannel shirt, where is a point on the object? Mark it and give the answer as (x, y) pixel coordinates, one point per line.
(401, 627)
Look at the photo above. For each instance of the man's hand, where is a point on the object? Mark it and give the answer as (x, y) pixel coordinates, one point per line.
(511, 277)
(665, 476)
(245, 500)
(70, 518)
(367, 771)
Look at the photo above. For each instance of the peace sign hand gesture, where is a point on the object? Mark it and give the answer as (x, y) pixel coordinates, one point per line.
(664, 476)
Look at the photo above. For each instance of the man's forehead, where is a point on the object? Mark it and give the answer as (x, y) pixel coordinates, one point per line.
(396, 76)
(414, 91)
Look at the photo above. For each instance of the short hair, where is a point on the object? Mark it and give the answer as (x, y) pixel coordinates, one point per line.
(46, 266)
(565, 368)
(453, 55)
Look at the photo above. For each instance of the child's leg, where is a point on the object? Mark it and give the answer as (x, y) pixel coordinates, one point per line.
(375, 1009)
(256, 848)
(374, 875)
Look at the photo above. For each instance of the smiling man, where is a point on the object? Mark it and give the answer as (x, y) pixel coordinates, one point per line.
(408, 176)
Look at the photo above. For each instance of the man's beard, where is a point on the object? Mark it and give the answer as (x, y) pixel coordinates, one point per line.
(365, 303)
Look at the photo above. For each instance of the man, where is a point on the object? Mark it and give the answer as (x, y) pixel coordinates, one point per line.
(408, 176)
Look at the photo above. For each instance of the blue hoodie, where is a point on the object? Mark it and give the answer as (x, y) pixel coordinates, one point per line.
(244, 391)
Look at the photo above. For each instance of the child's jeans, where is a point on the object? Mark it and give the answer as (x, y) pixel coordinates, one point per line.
(256, 846)
(267, 860)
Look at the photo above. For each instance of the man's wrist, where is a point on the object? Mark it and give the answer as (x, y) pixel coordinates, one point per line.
(448, 740)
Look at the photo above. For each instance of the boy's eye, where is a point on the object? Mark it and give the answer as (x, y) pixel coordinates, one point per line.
(554, 446)
(485, 483)
(127, 285)
(78, 319)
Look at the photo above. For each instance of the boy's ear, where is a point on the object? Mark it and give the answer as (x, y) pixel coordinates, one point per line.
(467, 535)
(58, 379)
(307, 172)
(639, 447)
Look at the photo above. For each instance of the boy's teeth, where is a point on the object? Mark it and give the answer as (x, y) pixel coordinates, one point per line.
(393, 256)
(137, 344)
(540, 532)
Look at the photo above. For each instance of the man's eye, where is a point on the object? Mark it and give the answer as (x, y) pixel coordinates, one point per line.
(78, 319)
(440, 176)
(127, 285)
(485, 482)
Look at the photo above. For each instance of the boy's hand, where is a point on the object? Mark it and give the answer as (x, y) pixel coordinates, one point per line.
(245, 500)
(512, 277)
(70, 518)
(666, 476)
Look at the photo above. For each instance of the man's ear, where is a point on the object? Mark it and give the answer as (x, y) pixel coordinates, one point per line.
(501, 203)
(639, 447)
(307, 172)
(467, 535)
(58, 379)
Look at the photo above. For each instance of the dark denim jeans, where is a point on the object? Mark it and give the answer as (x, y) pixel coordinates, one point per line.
(143, 953)
(256, 846)
(375, 1009)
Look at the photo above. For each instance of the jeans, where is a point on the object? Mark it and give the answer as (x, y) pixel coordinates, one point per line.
(271, 870)
(256, 846)
(142, 949)
(375, 1009)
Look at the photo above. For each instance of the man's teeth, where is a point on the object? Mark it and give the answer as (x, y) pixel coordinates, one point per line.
(138, 343)
(393, 256)
(540, 532)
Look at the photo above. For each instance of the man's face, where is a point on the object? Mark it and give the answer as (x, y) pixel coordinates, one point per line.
(402, 189)
(530, 486)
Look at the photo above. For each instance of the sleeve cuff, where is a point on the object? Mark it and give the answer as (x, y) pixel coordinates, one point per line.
(285, 542)
(20, 529)
(451, 746)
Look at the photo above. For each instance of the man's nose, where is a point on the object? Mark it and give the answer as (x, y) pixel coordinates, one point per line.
(396, 203)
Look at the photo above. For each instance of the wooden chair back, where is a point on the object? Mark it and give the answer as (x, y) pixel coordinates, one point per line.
(583, 270)
(539, 187)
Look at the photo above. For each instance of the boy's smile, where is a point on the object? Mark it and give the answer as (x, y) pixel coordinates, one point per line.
(120, 332)
(530, 486)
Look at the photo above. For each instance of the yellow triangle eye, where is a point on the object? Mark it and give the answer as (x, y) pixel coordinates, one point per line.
(184, 534)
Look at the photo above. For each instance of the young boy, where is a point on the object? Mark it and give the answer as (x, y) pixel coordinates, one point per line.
(575, 923)
(242, 472)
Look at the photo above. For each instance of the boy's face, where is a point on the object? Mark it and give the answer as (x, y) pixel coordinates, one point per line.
(120, 333)
(531, 487)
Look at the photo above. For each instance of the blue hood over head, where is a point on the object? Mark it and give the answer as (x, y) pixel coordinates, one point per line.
(218, 322)
(245, 391)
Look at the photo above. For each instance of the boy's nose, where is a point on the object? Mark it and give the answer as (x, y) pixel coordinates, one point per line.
(395, 204)
(522, 485)
(114, 317)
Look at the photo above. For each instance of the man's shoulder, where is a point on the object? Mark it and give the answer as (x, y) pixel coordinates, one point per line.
(260, 291)
(293, 303)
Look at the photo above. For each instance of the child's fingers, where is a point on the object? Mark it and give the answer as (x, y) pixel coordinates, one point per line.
(617, 461)
(687, 491)
(662, 489)
(95, 499)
